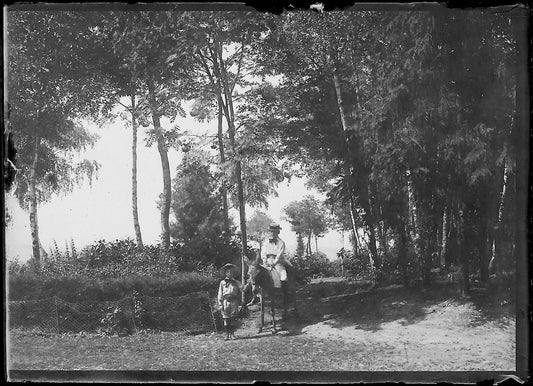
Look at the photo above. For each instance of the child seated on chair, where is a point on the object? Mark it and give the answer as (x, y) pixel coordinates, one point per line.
(229, 297)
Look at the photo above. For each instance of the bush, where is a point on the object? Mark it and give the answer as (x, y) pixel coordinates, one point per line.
(124, 257)
(355, 266)
(313, 266)
(115, 322)
(121, 258)
(28, 286)
(112, 270)
(201, 252)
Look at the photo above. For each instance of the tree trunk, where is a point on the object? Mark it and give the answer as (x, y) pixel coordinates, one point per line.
(451, 256)
(430, 227)
(223, 189)
(224, 90)
(413, 218)
(300, 248)
(242, 208)
(438, 239)
(483, 253)
(374, 258)
(358, 239)
(163, 154)
(354, 224)
(372, 246)
(240, 195)
(369, 221)
(382, 232)
(492, 219)
(167, 193)
(494, 264)
(32, 193)
(418, 240)
(463, 253)
(520, 224)
(348, 166)
(382, 237)
(445, 236)
(43, 254)
(135, 213)
(402, 252)
(316, 245)
(338, 95)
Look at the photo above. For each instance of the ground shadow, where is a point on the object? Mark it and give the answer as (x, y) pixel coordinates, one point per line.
(495, 304)
(373, 307)
(257, 336)
(406, 305)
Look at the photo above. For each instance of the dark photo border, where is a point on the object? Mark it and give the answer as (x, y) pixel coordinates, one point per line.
(524, 222)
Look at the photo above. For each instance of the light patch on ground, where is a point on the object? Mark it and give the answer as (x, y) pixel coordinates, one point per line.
(448, 339)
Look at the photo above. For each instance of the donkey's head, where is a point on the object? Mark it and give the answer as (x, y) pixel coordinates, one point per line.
(254, 272)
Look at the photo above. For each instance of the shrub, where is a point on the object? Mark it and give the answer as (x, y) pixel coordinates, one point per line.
(124, 258)
(355, 266)
(111, 270)
(391, 270)
(202, 251)
(313, 266)
(27, 286)
(115, 322)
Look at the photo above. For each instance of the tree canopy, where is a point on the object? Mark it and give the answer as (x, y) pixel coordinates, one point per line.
(405, 120)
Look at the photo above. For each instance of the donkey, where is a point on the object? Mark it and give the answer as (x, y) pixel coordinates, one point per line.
(262, 283)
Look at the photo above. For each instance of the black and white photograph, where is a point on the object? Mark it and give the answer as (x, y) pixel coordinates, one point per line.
(229, 194)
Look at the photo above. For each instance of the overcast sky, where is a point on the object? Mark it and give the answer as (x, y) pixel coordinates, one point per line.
(103, 210)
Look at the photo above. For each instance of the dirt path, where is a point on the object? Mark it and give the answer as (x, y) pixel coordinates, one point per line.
(446, 339)
(398, 332)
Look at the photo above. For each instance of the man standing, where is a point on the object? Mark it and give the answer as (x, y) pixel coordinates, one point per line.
(273, 256)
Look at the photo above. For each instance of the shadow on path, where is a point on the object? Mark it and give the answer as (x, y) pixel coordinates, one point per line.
(368, 309)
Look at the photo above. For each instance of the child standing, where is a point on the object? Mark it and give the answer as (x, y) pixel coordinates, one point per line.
(229, 296)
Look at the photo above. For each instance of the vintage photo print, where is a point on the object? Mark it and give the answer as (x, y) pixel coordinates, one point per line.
(230, 193)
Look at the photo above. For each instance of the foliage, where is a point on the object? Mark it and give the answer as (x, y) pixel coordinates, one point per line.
(118, 258)
(199, 226)
(149, 59)
(354, 265)
(396, 125)
(443, 124)
(223, 48)
(195, 203)
(114, 323)
(138, 310)
(77, 288)
(204, 254)
(313, 266)
(50, 89)
(307, 217)
(257, 226)
(402, 119)
(300, 247)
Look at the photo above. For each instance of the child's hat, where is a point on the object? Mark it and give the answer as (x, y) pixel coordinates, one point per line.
(274, 226)
(229, 266)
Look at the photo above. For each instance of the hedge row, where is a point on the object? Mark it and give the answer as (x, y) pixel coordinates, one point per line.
(76, 289)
